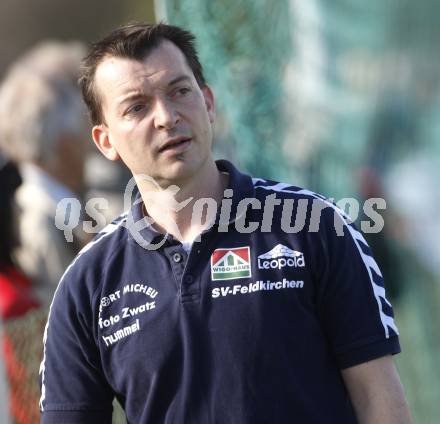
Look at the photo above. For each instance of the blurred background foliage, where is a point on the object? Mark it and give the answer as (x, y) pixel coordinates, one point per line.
(341, 97)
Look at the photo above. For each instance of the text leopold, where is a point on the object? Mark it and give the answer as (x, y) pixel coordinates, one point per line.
(278, 263)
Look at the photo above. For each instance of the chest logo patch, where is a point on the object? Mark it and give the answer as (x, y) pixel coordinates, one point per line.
(230, 264)
(281, 256)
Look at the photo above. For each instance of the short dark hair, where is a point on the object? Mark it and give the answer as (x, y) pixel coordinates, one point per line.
(133, 41)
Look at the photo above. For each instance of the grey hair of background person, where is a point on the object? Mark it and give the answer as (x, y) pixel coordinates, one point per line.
(40, 101)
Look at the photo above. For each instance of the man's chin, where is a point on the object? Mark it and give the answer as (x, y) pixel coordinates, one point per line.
(177, 171)
(176, 175)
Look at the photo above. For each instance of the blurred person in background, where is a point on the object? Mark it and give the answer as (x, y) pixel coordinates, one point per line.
(15, 296)
(15, 301)
(42, 128)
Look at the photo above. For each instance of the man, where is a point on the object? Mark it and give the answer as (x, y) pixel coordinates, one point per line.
(42, 127)
(179, 308)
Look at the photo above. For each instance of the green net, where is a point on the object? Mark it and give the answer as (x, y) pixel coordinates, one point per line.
(246, 73)
(342, 97)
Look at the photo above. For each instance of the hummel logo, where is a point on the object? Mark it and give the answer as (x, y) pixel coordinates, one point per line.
(279, 257)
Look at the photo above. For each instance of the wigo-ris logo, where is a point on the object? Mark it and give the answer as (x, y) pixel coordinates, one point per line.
(230, 264)
(279, 257)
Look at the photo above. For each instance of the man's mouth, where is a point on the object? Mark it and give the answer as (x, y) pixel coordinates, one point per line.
(175, 144)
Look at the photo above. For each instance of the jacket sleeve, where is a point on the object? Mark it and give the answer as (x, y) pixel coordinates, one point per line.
(73, 385)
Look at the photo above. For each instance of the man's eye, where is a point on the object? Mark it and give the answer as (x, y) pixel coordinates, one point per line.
(181, 92)
(136, 108)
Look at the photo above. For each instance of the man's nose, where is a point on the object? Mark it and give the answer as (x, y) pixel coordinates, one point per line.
(165, 115)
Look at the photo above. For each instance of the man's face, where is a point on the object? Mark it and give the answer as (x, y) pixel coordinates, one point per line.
(157, 119)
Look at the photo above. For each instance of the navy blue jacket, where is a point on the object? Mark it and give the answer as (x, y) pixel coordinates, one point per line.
(252, 326)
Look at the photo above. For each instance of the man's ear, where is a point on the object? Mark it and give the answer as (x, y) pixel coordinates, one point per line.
(101, 137)
(209, 102)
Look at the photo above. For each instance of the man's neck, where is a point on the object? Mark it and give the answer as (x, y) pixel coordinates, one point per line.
(173, 208)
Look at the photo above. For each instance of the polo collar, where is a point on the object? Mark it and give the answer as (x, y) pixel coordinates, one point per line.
(141, 228)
